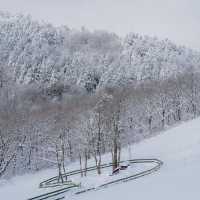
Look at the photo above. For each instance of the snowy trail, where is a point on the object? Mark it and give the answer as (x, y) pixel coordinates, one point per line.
(178, 148)
(59, 194)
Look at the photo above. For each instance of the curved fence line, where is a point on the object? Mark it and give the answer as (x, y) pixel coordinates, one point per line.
(54, 195)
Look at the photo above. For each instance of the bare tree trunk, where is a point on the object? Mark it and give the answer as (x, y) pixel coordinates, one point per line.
(194, 108)
(63, 161)
(168, 119)
(86, 159)
(119, 155)
(163, 118)
(80, 162)
(179, 114)
(99, 165)
(115, 153)
(70, 151)
(60, 177)
(99, 144)
(29, 157)
(150, 123)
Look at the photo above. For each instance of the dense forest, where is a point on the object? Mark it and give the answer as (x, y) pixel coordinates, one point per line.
(81, 94)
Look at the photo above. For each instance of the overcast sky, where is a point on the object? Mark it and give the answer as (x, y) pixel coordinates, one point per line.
(178, 20)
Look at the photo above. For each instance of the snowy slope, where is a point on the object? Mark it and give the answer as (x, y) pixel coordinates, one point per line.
(177, 179)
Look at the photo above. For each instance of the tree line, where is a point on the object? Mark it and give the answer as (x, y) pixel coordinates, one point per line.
(67, 94)
(40, 133)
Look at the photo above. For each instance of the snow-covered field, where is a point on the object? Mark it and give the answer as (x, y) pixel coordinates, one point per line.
(94, 181)
(178, 148)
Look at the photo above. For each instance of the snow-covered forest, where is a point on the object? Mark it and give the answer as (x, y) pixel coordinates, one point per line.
(86, 93)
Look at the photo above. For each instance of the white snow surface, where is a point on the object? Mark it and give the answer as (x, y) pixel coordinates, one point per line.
(178, 178)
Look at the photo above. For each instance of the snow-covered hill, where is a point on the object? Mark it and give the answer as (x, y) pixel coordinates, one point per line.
(178, 179)
(143, 83)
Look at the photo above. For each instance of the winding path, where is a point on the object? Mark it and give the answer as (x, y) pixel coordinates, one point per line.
(60, 194)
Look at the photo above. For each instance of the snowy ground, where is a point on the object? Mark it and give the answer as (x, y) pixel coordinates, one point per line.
(178, 178)
(93, 181)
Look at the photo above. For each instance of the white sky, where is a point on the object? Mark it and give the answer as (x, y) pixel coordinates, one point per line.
(178, 20)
